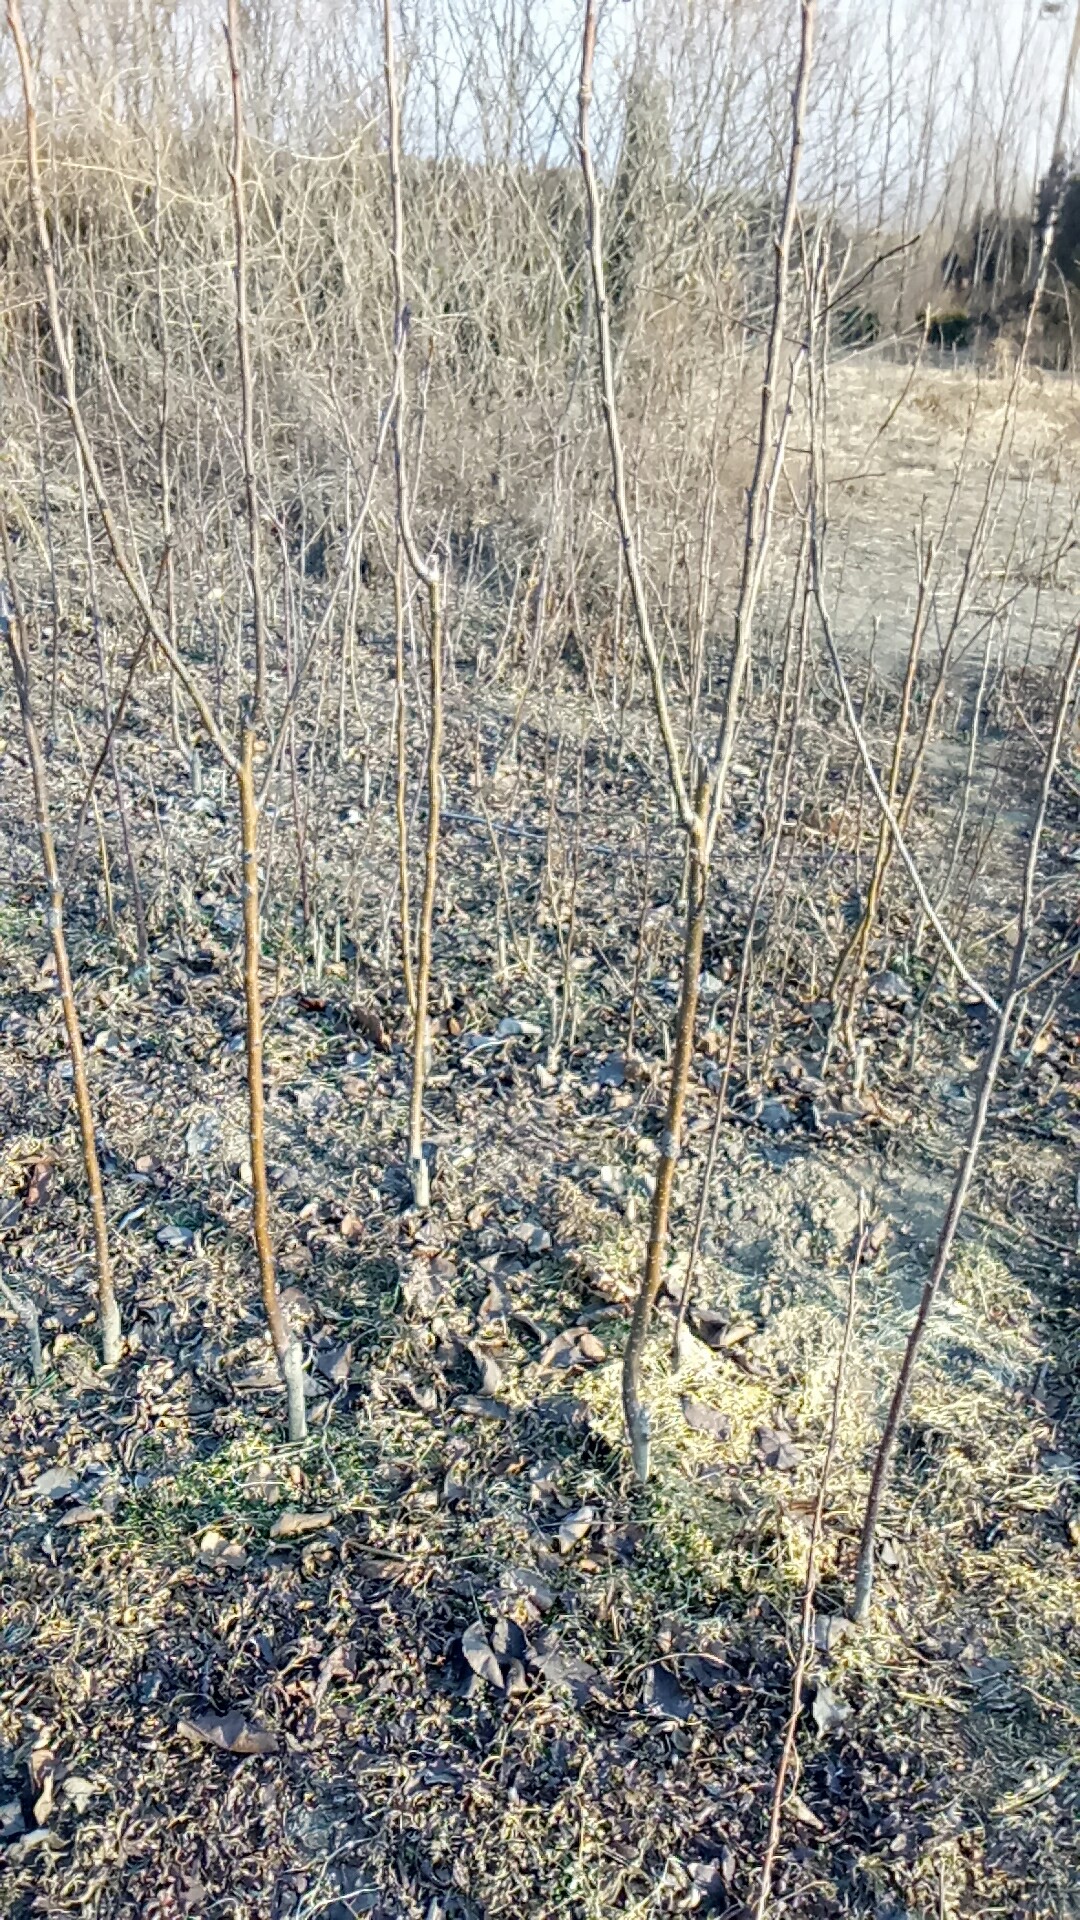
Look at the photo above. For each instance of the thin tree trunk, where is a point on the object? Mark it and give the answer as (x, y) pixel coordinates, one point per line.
(859, 942)
(429, 572)
(418, 1166)
(14, 631)
(285, 1347)
(864, 1573)
(142, 944)
(638, 1424)
(768, 867)
(806, 1618)
(697, 817)
(401, 776)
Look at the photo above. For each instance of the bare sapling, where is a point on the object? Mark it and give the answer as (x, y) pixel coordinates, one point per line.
(428, 572)
(817, 527)
(1012, 998)
(240, 764)
(286, 1347)
(401, 777)
(698, 793)
(13, 627)
(766, 868)
(141, 972)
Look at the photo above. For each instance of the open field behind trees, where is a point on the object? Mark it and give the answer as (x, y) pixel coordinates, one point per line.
(538, 747)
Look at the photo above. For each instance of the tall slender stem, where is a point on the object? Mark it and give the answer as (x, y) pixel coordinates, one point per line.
(286, 1348)
(13, 629)
(401, 770)
(429, 573)
(864, 1574)
(638, 1425)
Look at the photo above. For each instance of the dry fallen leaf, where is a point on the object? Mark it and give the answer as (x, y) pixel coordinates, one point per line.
(520, 1587)
(340, 1664)
(79, 1791)
(477, 1649)
(291, 1524)
(517, 1680)
(220, 1553)
(716, 1330)
(12, 1822)
(481, 1406)
(264, 1482)
(561, 1669)
(778, 1449)
(829, 1710)
(575, 1526)
(39, 1183)
(80, 1516)
(533, 1237)
(705, 1419)
(662, 1694)
(574, 1347)
(798, 1808)
(229, 1731)
(487, 1367)
(334, 1363)
(368, 1022)
(507, 1640)
(21, 1850)
(54, 1483)
(41, 1764)
(497, 1302)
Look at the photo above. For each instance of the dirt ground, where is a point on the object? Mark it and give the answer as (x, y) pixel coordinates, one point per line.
(912, 450)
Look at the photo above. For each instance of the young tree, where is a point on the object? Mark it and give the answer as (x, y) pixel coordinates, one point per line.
(13, 629)
(239, 759)
(1012, 999)
(428, 572)
(697, 775)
